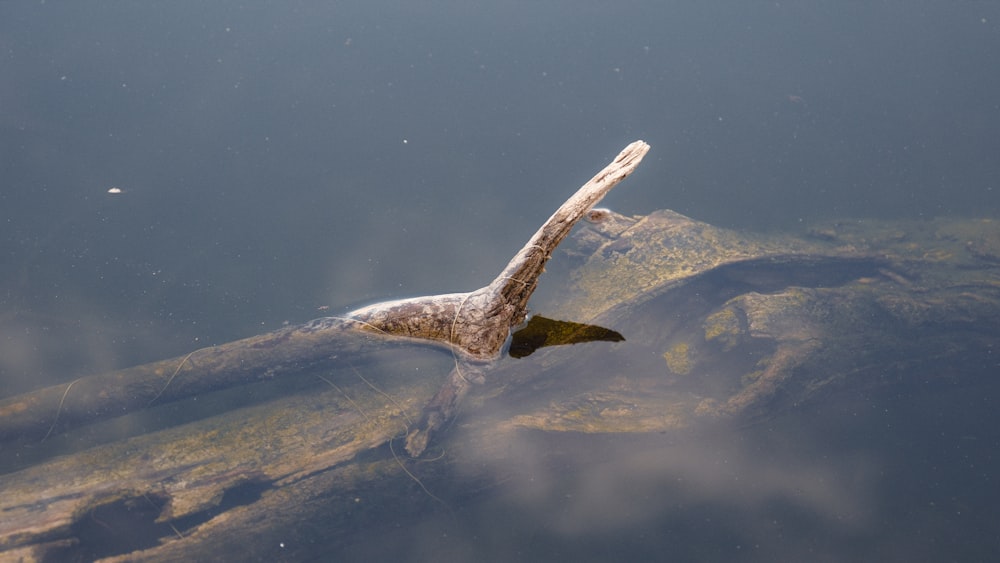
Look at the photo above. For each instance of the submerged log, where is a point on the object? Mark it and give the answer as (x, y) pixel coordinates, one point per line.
(721, 326)
(475, 325)
(42, 413)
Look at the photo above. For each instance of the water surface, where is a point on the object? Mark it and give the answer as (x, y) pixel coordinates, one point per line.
(280, 161)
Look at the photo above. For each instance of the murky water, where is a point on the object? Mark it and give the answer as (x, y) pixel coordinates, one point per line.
(177, 176)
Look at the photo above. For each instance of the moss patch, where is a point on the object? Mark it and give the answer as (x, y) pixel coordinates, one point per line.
(723, 326)
(678, 359)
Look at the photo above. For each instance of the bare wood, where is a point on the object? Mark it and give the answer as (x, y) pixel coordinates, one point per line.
(476, 324)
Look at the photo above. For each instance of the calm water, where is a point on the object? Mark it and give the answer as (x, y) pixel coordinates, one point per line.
(279, 158)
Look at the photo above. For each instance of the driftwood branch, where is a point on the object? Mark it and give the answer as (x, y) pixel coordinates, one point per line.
(475, 325)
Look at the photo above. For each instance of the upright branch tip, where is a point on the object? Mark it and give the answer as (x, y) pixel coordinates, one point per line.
(477, 323)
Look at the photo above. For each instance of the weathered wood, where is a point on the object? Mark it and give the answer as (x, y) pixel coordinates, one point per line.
(478, 323)
(474, 325)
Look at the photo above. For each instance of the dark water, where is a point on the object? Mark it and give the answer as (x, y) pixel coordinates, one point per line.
(276, 158)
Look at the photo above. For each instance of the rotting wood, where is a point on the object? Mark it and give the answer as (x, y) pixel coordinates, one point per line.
(474, 325)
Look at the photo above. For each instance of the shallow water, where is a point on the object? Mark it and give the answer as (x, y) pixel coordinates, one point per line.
(281, 162)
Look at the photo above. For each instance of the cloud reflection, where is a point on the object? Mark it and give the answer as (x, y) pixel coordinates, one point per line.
(577, 485)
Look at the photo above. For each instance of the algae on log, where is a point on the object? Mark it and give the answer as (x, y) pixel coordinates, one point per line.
(726, 325)
(39, 414)
(181, 474)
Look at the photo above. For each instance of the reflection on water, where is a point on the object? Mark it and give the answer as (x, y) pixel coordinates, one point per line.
(857, 476)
